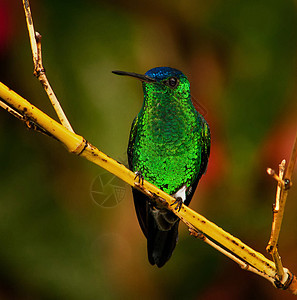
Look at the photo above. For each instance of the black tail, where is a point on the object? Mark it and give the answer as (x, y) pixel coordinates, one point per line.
(160, 243)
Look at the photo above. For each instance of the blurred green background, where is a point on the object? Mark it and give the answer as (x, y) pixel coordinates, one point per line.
(67, 229)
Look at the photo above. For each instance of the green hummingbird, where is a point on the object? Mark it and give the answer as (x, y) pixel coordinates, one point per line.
(169, 146)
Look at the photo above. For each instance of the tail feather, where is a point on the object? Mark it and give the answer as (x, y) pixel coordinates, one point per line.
(160, 244)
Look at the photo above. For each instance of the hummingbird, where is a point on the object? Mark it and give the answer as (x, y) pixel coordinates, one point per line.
(169, 146)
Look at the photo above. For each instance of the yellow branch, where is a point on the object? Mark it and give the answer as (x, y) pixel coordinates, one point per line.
(78, 145)
(73, 142)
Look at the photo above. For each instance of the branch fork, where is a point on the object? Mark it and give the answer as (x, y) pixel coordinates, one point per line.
(284, 183)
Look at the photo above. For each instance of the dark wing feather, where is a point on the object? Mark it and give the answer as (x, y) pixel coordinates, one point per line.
(205, 142)
(130, 150)
(141, 205)
(205, 151)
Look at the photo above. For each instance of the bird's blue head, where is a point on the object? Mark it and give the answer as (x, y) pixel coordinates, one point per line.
(162, 73)
(163, 83)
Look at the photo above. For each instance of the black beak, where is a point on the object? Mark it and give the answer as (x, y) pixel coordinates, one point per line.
(135, 75)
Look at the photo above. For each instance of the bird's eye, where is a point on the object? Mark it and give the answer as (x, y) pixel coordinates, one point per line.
(172, 82)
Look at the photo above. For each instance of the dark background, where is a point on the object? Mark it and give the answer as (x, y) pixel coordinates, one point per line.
(61, 235)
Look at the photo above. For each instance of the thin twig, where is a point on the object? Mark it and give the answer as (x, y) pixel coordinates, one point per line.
(11, 111)
(22, 116)
(278, 265)
(31, 30)
(39, 71)
(281, 173)
(283, 185)
(243, 265)
(272, 173)
(277, 209)
(281, 195)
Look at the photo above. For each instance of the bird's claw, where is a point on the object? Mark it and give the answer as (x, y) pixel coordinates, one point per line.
(140, 177)
(178, 202)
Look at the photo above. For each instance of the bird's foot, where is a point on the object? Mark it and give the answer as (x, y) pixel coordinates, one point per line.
(178, 202)
(140, 177)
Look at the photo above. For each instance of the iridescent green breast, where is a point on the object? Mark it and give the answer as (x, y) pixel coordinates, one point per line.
(168, 144)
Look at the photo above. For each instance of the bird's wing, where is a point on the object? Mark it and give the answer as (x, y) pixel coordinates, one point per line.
(205, 150)
(140, 200)
(205, 142)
